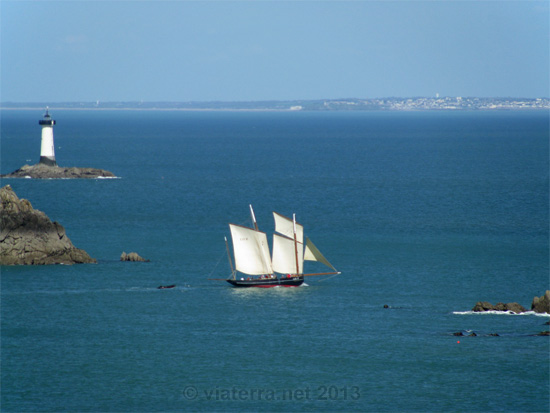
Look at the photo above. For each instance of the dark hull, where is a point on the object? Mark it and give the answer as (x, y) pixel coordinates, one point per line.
(294, 281)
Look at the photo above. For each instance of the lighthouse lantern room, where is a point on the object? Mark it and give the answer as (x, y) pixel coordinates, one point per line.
(47, 152)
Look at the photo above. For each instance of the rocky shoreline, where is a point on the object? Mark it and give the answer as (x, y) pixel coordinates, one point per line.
(43, 171)
(29, 237)
(538, 305)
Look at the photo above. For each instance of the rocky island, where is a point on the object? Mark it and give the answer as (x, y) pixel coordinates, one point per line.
(29, 237)
(43, 171)
(133, 257)
(47, 168)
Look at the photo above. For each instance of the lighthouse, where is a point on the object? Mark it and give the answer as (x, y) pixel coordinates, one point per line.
(47, 153)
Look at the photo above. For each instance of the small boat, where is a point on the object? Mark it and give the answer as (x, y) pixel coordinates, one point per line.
(164, 287)
(286, 264)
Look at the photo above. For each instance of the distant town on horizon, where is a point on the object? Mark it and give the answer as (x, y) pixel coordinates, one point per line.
(349, 104)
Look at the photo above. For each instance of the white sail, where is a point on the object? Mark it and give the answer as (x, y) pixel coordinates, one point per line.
(285, 226)
(313, 254)
(284, 255)
(251, 251)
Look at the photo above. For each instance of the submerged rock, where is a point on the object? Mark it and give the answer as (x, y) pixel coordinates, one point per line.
(28, 237)
(541, 304)
(166, 287)
(43, 171)
(133, 256)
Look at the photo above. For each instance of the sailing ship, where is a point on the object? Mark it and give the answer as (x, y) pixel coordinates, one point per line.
(255, 267)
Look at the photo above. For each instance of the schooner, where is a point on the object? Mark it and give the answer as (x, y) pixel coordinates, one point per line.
(255, 267)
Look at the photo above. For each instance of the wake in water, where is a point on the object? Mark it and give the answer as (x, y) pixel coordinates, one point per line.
(255, 290)
(501, 313)
(143, 289)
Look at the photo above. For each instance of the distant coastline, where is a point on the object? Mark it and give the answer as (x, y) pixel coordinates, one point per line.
(350, 104)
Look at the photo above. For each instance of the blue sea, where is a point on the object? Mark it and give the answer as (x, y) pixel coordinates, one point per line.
(423, 212)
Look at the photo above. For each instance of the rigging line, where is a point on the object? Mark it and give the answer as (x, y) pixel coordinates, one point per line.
(324, 279)
(218, 263)
(246, 224)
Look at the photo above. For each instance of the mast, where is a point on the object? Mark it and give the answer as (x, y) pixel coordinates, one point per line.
(288, 251)
(229, 257)
(253, 218)
(295, 243)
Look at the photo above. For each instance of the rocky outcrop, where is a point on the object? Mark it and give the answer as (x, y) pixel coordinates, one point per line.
(486, 306)
(483, 306)
(42, 171)
(541, 304)
(513, 307)
(133, 256)
(28, 237)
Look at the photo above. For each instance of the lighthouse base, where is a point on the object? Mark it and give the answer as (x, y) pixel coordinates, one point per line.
(53, 171)
(48, 160)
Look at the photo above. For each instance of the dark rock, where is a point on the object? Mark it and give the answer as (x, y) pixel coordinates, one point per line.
(541, 304)
(483, 306)
(515, 307)
(458, 334)
(28, 237)
(472, 334)
(133, 256)
(500, 307)
(43, 171)
(386, 306)
(544, 333)
(494, 335)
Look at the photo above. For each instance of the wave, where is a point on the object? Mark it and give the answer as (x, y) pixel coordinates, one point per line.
(61, 292)
(95, 291)
(501, 313)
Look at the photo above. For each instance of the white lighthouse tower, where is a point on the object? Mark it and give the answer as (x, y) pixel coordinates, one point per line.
(47, 152)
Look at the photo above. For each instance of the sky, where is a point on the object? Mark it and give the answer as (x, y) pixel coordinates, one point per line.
(60, 51)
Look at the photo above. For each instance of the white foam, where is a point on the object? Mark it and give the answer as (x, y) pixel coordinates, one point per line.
(501, 313)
